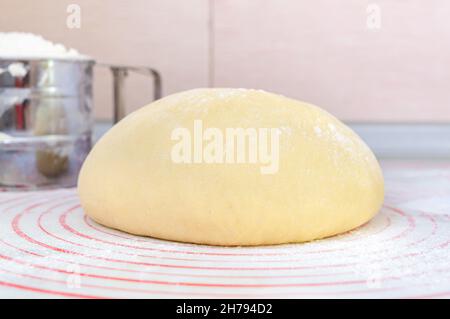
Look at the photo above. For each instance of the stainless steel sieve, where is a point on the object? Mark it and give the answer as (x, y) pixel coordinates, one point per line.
(46, 114)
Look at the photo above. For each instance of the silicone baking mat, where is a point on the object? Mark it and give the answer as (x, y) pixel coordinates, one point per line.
(49, 248)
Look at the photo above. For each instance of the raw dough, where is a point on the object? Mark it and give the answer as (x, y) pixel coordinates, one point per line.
(328, 181)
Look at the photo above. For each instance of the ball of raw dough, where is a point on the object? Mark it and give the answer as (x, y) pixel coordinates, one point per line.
(170, 170)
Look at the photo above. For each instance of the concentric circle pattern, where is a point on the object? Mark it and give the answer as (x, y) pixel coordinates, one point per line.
(49, 248)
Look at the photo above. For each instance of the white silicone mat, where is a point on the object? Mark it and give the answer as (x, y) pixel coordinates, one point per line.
(48, 248)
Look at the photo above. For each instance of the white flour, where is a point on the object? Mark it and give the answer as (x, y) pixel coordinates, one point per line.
(30, 46)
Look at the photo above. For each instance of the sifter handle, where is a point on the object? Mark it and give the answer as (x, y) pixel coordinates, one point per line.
(119, 73)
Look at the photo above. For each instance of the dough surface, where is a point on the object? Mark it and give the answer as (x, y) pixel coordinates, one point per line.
(328, 181)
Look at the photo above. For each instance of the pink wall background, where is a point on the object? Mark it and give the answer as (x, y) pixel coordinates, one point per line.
(319, 51)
